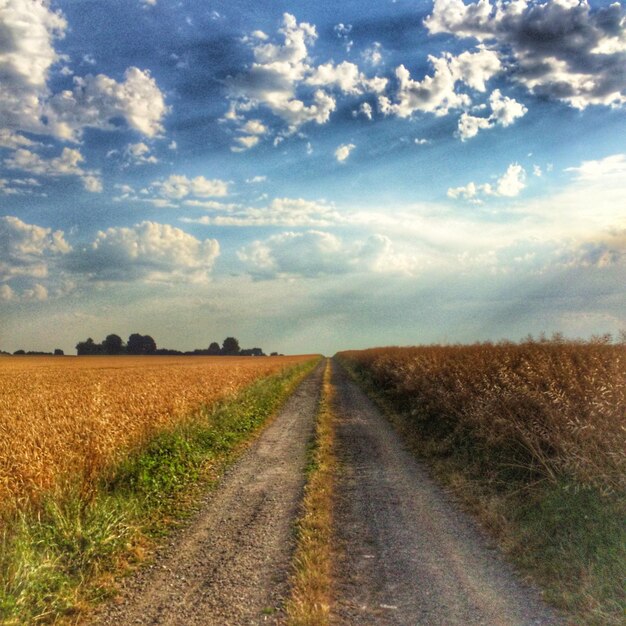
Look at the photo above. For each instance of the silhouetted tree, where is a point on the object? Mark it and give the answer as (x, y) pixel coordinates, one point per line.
(113, 344)
(214, 348)
(230, 346)
(88, 347)
(58, 352)
(140, 344)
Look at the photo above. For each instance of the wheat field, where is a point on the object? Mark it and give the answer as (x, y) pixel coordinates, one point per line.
(65, 419)
(554, 408)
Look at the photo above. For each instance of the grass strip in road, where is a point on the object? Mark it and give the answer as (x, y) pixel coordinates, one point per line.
(59, 560)
(567, 537)
(311, 582)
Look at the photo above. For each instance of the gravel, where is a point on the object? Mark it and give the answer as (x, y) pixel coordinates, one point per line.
(231, 564)
(407, 554)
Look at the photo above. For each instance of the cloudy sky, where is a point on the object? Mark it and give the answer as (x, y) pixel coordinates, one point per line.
(311, 176)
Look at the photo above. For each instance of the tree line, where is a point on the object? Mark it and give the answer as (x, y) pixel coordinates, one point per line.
(145, 344)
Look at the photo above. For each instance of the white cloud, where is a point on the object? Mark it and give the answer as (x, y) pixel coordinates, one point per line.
(256, 179)
(96, 100)
(290, 212)
(613, 166)
(562, 49)
(601, 251)
(147, 251)
(179, 186)
(343, 151)
(509, 185)
(366, 110)
(26, 251)
(9, 139)
(139, 154)
(317, 253)
(373, 55)
(504, 112)
(66, 164)
(438, 93)
(30, 30)
(512, 182)
(282, 80)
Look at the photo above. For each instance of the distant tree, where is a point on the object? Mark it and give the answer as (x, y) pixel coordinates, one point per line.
(141, 344)
(214, 348)
(58, 352)
(149, 345)
(19, 352)
(88, 347)
(113, 344)
(230, 346)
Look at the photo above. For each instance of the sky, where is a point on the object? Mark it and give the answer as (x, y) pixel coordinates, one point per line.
(311, 177)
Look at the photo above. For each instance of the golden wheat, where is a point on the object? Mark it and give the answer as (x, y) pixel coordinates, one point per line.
(67, 418)
(557, 408)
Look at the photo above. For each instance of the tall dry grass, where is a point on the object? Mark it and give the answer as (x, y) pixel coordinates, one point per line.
(65, 419)
(555, 409)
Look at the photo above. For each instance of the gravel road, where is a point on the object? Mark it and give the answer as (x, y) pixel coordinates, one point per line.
(231, 565)
(407, 555)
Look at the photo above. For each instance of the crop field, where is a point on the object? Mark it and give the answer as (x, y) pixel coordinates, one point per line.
(551, 409)
(531, 437)
(66, 418)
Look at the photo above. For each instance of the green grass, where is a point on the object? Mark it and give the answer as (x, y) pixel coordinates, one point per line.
(569, 539)
(59, 560)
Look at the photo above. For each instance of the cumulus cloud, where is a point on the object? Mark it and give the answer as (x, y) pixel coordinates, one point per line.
(613, 167)
(9, 139)
(509, 185)
(179, 186)
(504, 112)
(317, 253)
(28, 55)
(146, 251)
(562, 49)
(604, 251)
(282, 80)
(366, 110)
(343, 151)
(66, 164)
(97, 100)
(29, 30)
(26, 251)
(139, 154)
(438, 93)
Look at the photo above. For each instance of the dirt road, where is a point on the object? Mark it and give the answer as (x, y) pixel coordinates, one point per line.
(408, 556)
(232, 564)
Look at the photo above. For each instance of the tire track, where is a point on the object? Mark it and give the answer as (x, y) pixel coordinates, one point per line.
(231, 565)
(407, 555)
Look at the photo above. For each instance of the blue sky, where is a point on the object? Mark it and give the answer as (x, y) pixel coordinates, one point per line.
(311, 177)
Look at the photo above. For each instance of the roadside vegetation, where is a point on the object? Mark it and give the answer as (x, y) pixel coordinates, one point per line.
(62, 549)
(311, 581)
(532, 437)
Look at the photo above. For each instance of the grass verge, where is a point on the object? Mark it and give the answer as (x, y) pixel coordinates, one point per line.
(569, 539)
(311, 582)
(59, 560)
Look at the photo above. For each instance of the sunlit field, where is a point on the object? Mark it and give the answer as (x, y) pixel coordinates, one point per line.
(65, 419)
